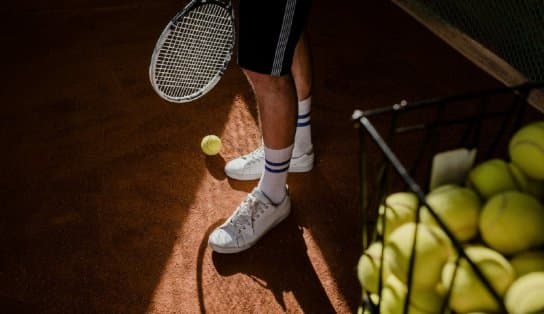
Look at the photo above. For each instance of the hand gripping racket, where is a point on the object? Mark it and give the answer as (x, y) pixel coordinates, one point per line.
(193, 50)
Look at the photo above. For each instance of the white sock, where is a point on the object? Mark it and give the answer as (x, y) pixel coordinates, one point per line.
(274, 177)
(303, 133)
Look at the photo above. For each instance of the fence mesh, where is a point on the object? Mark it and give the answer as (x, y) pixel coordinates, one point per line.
(512, 29)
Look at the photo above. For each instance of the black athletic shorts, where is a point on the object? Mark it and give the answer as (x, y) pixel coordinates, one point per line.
(269, 31)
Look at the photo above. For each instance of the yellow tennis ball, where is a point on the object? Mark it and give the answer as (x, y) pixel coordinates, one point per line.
(369, 270)
(432, 251)
(512, 222)
(526, 149)
(528, 262)
(401, 208)
(421, 301)
(374, 298)
(525, 183)
(526, 294)
(468, 293)
(458, 207)
(520, 178)
(495, 176)
(210, 144)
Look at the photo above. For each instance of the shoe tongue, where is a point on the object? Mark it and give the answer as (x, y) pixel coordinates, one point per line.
(259, 195)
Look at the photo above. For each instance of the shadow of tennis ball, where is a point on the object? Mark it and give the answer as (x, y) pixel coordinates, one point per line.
(528, 262)
(526, 149)
(526, 294)
(432, 250)
(535, 188)
(468, 293)
(512, 222)
(458, 207)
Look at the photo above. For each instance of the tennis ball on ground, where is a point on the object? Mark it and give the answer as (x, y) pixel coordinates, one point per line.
(526, 149)
(432, 247)
(528, 262)
(368, 268)
(458, 207)
(526, 294)
(421, 301)
(397, 209)
(512, 222)
(495, 176)
(468, 293)
(211, 145)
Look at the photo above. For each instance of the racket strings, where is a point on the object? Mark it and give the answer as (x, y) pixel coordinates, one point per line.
(195, 51)
(171, 65)
(200, 75)
(193, 54)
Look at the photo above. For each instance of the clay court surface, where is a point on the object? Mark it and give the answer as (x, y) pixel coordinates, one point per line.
(107, 201)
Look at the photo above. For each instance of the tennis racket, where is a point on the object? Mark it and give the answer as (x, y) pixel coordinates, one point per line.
(193, 50)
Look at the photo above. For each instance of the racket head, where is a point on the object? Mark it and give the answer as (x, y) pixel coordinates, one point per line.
(193, 51)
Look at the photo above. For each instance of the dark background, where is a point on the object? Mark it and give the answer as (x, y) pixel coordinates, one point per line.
(107, 201)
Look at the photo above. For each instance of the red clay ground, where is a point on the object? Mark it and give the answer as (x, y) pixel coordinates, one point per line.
(107, 201)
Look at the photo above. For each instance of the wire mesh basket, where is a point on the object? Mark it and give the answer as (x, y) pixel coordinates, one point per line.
(399, 145)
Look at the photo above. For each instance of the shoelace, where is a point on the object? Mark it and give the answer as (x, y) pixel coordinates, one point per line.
(249, 210)
(256, 155)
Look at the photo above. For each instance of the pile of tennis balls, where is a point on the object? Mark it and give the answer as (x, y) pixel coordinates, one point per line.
(498, 217)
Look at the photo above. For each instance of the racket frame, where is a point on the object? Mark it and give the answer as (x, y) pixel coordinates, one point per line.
(227, 5)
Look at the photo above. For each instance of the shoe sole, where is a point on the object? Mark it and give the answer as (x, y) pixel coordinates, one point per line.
(224, 250)
(255, 176)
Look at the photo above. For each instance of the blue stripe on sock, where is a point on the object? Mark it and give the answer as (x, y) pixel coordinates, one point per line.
(276, 170)
(277, 164)
(304, 115)
(303, 123)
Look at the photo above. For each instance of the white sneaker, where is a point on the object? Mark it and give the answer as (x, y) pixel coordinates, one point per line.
(251, 166)
(249, 222)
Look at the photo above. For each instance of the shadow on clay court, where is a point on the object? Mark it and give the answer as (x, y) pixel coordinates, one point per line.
(280, 263)
(99, 174)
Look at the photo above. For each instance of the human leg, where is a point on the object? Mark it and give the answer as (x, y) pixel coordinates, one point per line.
(266, 61)
(276, 98)
(251, 166)
(301, 70)
(269, 203)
